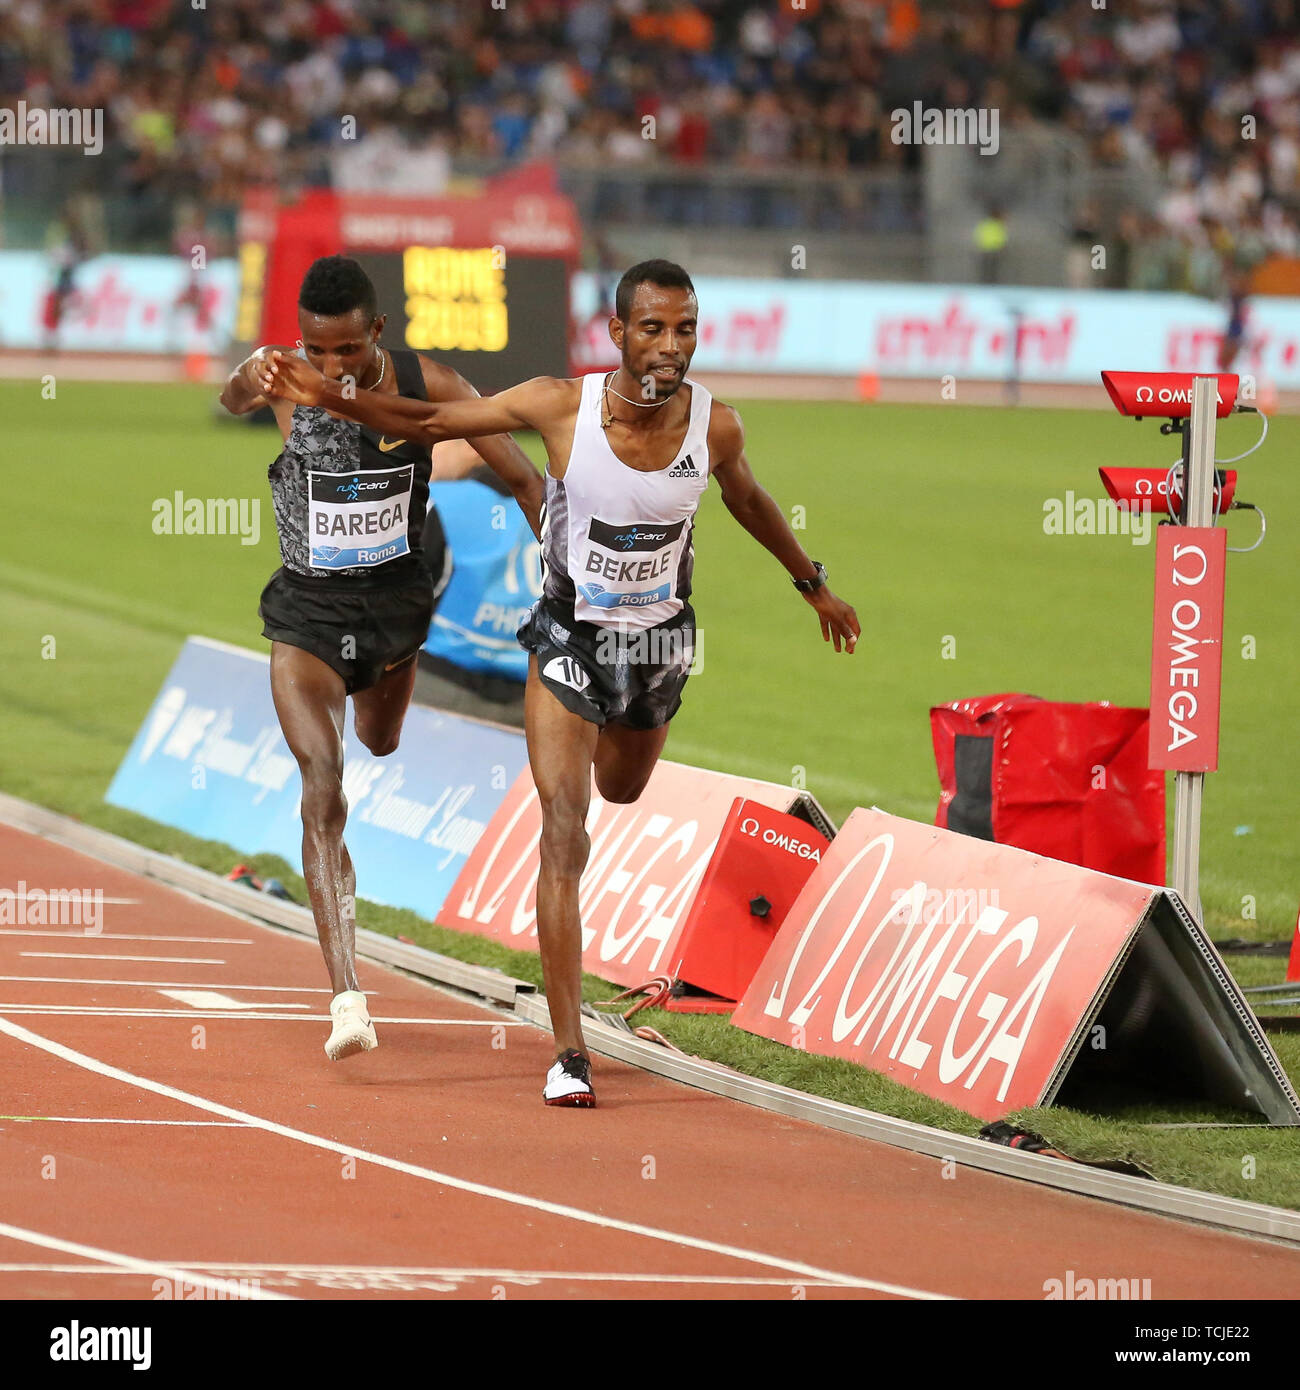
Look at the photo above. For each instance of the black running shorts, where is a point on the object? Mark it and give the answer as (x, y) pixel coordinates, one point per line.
(361, 630)
(607, 676)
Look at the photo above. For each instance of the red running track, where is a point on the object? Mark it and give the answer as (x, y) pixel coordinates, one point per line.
(169, 1115)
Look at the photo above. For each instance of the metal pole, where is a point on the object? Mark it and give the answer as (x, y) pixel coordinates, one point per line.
(1197, 510)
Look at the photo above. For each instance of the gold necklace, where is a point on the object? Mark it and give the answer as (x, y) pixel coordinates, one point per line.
(608, 418)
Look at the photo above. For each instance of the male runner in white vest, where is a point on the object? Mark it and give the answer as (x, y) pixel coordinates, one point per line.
(630, 453)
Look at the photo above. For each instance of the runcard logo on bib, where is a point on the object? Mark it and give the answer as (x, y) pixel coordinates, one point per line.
(359, 518)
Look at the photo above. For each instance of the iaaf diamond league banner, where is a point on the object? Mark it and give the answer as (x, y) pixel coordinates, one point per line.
(209, 758)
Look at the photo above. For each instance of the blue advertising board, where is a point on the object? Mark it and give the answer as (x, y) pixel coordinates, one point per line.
(496, 576)
(210, 759)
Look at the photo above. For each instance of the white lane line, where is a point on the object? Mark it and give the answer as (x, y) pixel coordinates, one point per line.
(518, 1199)
(134, 1266)
(93, 1011)
(152, 960)
(313, 1273)
(96, 1120)
(165, 984)
(211, 999)
(104, 1011)
(84, 935)
(47, 892)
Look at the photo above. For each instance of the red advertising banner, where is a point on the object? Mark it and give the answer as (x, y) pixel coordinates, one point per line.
(1187, 648)
(647, 863)
(965, 969)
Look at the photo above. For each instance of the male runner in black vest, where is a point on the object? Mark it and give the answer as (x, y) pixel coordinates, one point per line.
(350, 608)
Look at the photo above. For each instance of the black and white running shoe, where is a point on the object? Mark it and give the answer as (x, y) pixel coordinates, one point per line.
(569, 1081)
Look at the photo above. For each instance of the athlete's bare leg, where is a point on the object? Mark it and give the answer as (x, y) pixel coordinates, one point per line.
(378, 712)
(562, 747)
(309, 700)
(625, 758)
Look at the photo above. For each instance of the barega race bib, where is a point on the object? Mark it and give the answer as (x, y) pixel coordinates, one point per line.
(359, 518)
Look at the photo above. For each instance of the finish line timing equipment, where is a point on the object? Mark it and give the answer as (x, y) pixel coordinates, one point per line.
(1187, 637)
(481, 281)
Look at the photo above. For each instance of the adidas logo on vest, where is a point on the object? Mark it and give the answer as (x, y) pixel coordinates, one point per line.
(684, 468)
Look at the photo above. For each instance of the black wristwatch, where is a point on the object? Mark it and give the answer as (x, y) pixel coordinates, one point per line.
(810, 586)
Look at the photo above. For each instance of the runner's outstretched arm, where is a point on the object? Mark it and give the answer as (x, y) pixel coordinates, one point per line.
(754, 508)
(522, 407)
(499, 451)
(242, 392)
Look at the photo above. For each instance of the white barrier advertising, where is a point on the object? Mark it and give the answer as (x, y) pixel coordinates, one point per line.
(795, 326)
(117, 304)
(844, 328)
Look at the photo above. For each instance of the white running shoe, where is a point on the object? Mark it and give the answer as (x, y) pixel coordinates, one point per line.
(569, 1081)
(353, 1030)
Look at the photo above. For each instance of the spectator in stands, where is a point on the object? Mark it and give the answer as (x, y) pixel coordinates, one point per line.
(1202, 99)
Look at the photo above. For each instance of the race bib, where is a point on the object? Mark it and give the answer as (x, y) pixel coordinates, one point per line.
(631, 566)
(359, 519)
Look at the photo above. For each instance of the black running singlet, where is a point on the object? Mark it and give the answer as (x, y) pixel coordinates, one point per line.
(348, 501)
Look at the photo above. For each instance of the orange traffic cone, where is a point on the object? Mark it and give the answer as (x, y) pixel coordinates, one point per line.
(868, 386)
(1293, 965)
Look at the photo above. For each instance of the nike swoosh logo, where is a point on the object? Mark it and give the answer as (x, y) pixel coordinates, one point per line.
(387, 446)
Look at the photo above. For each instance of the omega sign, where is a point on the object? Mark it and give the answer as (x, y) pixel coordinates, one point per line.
(779, 839)
(894, 957)
(1187, 648)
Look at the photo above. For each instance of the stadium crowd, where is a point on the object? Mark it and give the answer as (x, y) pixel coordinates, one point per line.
(1200, 99)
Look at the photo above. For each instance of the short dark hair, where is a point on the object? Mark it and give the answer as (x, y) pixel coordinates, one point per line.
(666, 274)
(336, 285)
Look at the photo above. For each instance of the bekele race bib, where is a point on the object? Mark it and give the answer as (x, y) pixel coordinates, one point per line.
(358, 518)
(632, 566)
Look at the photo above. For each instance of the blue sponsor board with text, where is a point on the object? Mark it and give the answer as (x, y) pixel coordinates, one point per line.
(210, 759)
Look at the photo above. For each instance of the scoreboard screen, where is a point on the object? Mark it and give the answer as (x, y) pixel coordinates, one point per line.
(497, 319)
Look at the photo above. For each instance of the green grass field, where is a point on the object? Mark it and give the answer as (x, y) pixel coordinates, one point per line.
(930, 521)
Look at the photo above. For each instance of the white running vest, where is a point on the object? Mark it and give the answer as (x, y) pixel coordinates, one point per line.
(617, 542)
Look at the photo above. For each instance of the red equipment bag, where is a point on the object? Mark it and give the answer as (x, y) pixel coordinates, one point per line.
(1069, 781)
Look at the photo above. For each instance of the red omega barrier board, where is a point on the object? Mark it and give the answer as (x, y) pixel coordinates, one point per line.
(975, 973)
(659, 894)
(763, 859)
